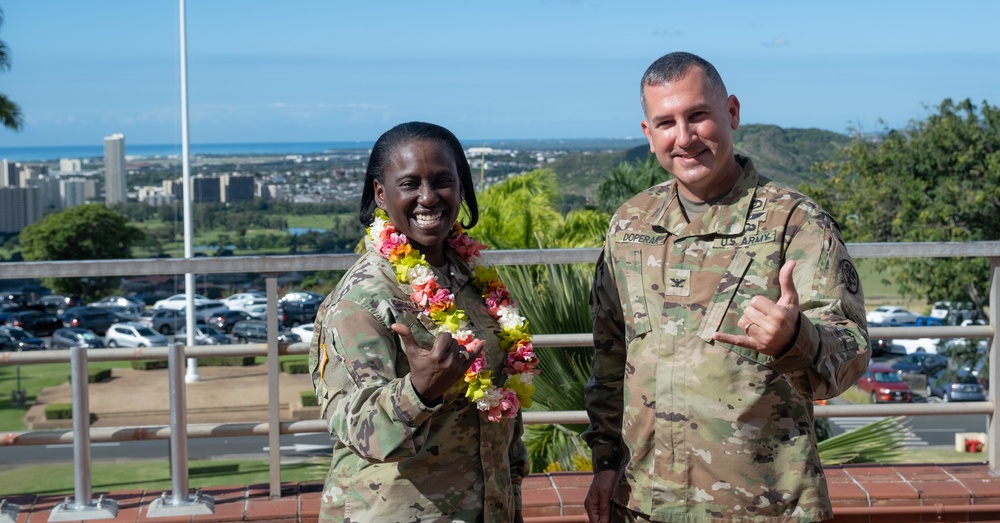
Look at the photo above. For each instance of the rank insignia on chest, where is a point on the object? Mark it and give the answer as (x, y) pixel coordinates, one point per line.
(641, 237)
(678, 282)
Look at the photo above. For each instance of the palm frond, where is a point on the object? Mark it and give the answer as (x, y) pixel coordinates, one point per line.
(877, 442)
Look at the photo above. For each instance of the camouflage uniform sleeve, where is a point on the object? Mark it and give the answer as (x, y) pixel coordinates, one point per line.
(831, 351)
(604, 391)
(369, 408)
(518, 461)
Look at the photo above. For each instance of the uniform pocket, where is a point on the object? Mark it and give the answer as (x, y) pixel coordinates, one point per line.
(630, 270)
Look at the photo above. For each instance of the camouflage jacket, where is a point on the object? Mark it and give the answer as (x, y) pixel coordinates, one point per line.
(701, 430)
(395, 458)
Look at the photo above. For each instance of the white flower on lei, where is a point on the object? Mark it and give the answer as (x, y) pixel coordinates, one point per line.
(419, 274)
(490, 399)
(509, 317)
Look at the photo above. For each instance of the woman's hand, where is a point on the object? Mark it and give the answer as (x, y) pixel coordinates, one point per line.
(433, 371)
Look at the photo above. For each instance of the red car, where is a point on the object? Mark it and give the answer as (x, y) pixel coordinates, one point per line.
(885, 385)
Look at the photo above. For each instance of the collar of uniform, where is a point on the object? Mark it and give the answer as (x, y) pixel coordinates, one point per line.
(728, 216)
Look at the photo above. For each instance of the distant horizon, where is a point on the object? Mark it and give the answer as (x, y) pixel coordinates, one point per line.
(18, 153)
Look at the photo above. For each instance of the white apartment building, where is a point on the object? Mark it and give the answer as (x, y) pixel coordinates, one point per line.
(76, 191)
(115, 187)
(70, 165)
(9, 176)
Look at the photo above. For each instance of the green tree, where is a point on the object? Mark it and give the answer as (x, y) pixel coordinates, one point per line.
(86, 232)
(10, 113)
(628, 179)
(937, 180)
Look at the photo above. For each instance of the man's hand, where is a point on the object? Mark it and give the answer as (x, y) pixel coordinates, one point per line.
(769, 327)
(598, 502)
(434, 371)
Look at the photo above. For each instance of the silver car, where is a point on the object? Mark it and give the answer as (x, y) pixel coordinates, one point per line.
(132, 334)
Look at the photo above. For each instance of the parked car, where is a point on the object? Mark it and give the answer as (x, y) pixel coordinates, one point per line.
(124, 301)
(892, 315)
(17, 339)
(240, 299)
(884, 385)
(203, 335)
(124, 312)
(134, 334)
(69, 337)
(225, 319)
(57, 303)
(177, 301)
(39, 323)
(952, 385)
(305, 331)
(295, 313)
(301, 296)
(203, 309)
(920, 363)
(97, 319)
(164, 321)
(883, 347)
(255, 331)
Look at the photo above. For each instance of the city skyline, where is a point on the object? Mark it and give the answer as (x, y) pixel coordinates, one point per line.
(543, 69)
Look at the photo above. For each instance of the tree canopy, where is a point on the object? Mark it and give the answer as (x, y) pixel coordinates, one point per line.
(937, 180)
(86, 232)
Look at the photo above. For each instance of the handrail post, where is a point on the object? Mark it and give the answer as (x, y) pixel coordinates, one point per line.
(8, 511)
(83, 506)
(180, 503)
(993, 359)
(273, 396)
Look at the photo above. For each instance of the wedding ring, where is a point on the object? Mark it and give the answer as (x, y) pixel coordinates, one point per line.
(464, 354)
(747, 329)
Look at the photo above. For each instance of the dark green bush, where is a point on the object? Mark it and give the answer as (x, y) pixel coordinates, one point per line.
(59, 411)
(295, 367)
(309, 398)
(148, 364)
(234, 361)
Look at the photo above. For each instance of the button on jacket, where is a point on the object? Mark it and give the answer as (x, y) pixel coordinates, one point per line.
(397, 459)
(699, 429)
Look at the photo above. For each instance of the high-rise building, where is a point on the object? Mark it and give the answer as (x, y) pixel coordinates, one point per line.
(237, 188)
(9, 174)
(115, 188)
(19, 207)
(206, 189)
(70, 165)
(74, 191)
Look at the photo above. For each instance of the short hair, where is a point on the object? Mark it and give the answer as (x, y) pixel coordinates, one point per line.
(673, 66)
(401, 135)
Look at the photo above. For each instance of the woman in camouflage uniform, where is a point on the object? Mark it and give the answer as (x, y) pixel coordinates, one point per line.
(410, 446)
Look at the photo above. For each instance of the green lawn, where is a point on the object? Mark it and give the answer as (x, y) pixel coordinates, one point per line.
(153, 476)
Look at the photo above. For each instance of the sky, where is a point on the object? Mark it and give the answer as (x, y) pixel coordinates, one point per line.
(320, 70)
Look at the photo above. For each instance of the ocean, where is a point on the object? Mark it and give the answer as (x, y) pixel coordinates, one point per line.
(82, 152)
(54, 153)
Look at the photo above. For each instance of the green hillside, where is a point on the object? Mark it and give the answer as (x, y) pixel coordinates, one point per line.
(784, 155)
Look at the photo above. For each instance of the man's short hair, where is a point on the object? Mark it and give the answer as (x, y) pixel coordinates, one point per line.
(673, 66)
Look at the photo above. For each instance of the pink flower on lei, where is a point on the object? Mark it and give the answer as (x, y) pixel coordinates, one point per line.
(390, 240)
(508, 406)
(423, 292)
(466, 246)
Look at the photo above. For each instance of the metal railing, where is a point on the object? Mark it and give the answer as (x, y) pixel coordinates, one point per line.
(273, 266)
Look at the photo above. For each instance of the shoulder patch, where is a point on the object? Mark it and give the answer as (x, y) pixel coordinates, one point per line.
(850, 276)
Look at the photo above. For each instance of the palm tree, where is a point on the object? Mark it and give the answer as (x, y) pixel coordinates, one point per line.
(10, 113)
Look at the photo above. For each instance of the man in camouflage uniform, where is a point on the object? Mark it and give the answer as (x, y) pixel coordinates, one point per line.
(723, 306)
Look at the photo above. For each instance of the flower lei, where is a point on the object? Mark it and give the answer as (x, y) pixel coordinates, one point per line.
(439, 305)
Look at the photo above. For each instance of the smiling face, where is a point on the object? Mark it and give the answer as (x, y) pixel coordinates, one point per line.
(689, 125)
(422, 194)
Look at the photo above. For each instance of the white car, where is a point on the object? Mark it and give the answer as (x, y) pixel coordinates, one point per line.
(132, 334)
(177, 301)
(305, 331)
(892, 315)
(239, 300)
